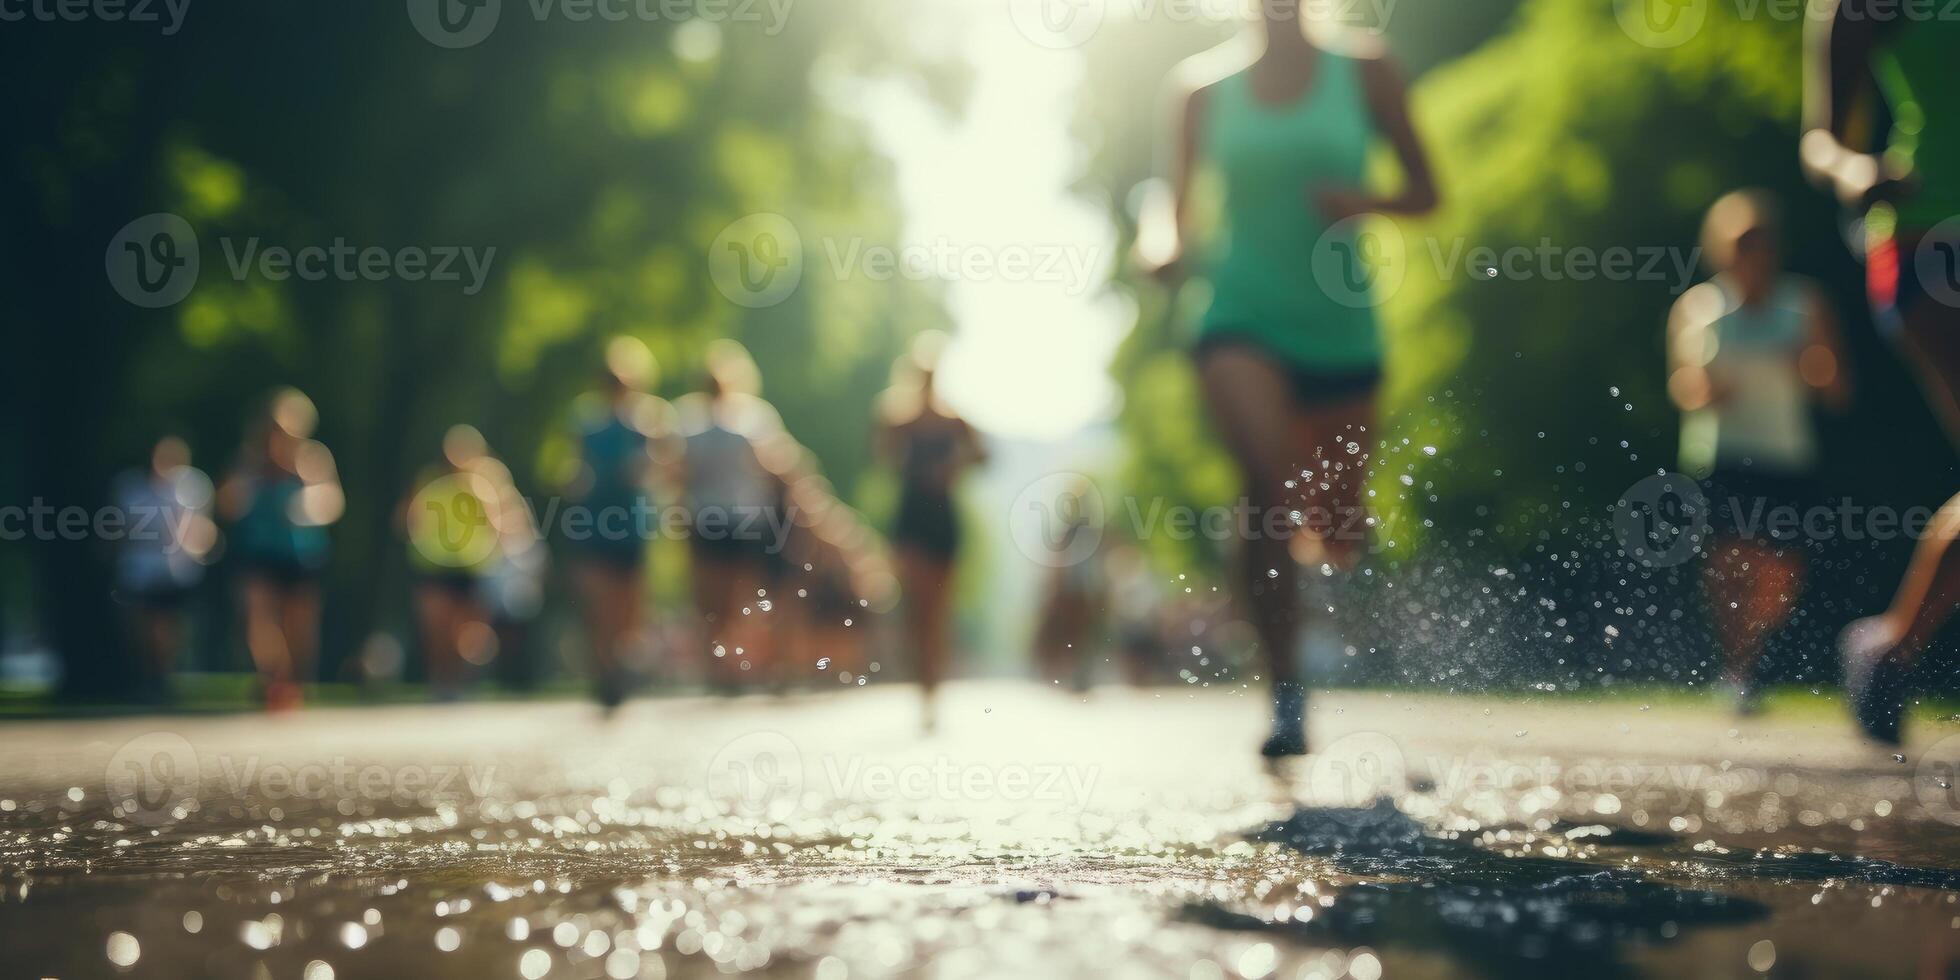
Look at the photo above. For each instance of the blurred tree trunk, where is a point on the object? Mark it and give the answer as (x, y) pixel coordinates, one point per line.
(68, 364)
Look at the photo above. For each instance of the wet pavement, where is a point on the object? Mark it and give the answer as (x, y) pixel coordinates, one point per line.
(1037, 833)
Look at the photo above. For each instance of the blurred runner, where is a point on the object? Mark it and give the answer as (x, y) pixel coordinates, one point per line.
(1748, 351)
(622, 432)
(1136, 612)
(161, 561)
(733, 504)
(281, 498)
(836, 572)
(1909, 196)
(454, 522)
(1289, 354)
(1076, 595)
(848, 572)
(513, 592)
(931, 446)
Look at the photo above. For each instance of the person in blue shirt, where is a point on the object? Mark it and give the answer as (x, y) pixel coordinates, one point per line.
(161, 561)
(623, 434)
(280, 500)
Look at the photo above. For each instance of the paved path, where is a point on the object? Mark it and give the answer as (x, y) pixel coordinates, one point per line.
(1037, 833)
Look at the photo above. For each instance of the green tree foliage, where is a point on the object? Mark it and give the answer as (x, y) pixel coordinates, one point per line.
(1566, 137)
(599, 159)
(1557, 132)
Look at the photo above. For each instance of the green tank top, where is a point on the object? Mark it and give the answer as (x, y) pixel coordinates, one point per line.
(1282, 277)
(1915, 74)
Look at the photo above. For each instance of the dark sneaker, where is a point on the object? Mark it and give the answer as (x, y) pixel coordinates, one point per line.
(1279, 745)
(1289, 722)
(610, 691)
(1874, 679)
(1745, 697)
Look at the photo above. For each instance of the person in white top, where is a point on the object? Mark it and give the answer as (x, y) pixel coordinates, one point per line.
(733, 503)
(162, 559)
(1750, 351)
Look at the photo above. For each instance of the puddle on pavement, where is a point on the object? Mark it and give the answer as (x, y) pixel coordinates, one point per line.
(1502, 915)
(628, 867)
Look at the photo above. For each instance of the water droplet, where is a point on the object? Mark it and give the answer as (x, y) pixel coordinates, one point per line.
(534, 964)
(1762, 956)
(123, 949)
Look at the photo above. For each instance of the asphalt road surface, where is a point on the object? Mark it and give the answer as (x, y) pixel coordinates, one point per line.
(1036, 833)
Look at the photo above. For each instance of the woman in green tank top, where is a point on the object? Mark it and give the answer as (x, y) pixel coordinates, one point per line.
(1289, 354)
(1909, 195)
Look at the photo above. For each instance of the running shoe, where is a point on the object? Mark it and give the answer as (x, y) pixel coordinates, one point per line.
(1874, 678)
(1289, 735)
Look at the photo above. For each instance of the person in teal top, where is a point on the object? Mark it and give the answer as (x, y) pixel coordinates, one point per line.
(1908, 193)
(1265, 155)
(625, 437)
(1289, 354)
(279, 501)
